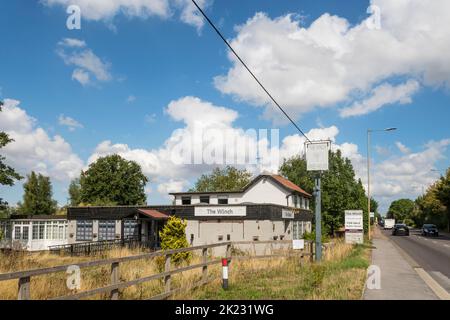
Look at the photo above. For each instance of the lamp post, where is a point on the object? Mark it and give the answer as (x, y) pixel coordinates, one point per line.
(369, 131)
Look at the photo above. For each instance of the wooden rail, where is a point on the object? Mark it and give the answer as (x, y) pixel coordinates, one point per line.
(24, 277)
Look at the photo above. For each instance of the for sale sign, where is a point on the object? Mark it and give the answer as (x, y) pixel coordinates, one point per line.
(354, 220)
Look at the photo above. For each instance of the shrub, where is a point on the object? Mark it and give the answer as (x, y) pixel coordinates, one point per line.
(173, 236)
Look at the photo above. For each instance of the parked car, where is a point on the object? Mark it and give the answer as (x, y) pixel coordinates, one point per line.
(400, 229)
(430, 230)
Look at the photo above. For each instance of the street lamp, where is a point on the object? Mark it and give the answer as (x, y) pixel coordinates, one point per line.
(369, 131)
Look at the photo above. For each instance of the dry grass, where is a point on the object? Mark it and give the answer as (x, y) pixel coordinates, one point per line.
(340, 276)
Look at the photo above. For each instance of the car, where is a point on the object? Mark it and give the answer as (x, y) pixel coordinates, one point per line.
(430, 230)
(400, 229)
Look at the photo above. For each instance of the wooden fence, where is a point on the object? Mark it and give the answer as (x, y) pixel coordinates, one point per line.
(95, 247)
(24, 277)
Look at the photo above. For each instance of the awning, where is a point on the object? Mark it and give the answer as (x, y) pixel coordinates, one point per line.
(153, 214)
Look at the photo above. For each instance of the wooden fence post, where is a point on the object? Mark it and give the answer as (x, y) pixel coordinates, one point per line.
(24, 289)
(311, 251)
(205, 267)
(167, 279)
(114, 295)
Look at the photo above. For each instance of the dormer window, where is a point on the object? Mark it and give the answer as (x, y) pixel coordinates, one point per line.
(222, 200)
(185, 200)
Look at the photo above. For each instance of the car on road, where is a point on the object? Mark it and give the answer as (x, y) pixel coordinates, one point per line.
(430, 230)
(400, 229)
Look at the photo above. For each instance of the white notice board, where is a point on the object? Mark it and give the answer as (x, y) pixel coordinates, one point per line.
(317, 155)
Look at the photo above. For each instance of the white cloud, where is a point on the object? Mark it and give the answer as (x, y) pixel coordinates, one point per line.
(331, 62)
(106, 10)
(150, 118)
(380, 96)
(402, 147)
(33, 148)
(71, 42)
(172, 186)
(81, 76)
(69, 122)
(87, 63)
(131, 99)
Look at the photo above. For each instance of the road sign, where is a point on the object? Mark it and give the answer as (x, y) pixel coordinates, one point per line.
(354, 220)
(317, 155)
(354, 237)
(372, 214)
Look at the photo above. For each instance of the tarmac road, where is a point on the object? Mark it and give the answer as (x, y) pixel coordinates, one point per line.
(430, 253)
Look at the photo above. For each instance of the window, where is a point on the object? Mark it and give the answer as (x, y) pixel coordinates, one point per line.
(17, 232)
(228, 237)
(223, 200)
(41, 230)
(307, 204)
(106, 230)
(220, 238)
(185, 200)
(35, 230)
(294, 198)
(204, 199)
(48, 230)
(130, 229)
(5, 229)
(84, 230)
(25, 230)
(255, 238)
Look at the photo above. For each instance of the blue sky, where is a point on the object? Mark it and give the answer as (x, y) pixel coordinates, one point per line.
(147, 59)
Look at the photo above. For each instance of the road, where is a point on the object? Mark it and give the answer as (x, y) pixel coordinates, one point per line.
(430, 253)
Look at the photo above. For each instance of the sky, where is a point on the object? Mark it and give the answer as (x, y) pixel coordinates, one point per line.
(142, 78)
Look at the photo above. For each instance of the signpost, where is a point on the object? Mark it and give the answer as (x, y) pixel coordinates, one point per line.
(354, 226)
(317, 160)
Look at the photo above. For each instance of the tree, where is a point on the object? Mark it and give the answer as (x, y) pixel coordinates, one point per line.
(113, 180)
(340, 189)
(401, 209)
(7, 174)
(37, 198)
(443, 195)
(75, 192)
(227, 179)
(173, 236)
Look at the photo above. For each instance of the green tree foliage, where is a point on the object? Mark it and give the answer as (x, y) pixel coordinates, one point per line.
(227, 179)
(173, 236)
(443, 195)
(37, 198)
(75, 192)
(112, 180)
(340, 189)
(400, 209)
(7, 174)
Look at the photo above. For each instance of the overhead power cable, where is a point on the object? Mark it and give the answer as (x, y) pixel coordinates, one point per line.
(248, 69)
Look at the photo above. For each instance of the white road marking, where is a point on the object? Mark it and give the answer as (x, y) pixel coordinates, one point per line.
(446, 245)
(437, 289)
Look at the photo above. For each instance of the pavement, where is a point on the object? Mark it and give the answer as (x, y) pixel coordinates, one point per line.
(399, 279)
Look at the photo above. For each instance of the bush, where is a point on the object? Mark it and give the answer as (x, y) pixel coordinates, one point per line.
(173, 236)
(311, 236)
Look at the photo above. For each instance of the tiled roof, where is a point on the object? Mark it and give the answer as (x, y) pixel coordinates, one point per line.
(153, 214)
(289, 184)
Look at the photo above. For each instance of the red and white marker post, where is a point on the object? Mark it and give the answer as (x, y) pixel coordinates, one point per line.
(225, 273)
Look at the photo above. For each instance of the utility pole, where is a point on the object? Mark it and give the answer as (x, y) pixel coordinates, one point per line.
(318, 212)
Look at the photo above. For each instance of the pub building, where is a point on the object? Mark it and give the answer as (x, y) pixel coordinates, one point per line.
(270, 207)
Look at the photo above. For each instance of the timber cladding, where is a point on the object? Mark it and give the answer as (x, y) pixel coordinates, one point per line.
(253, 212)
